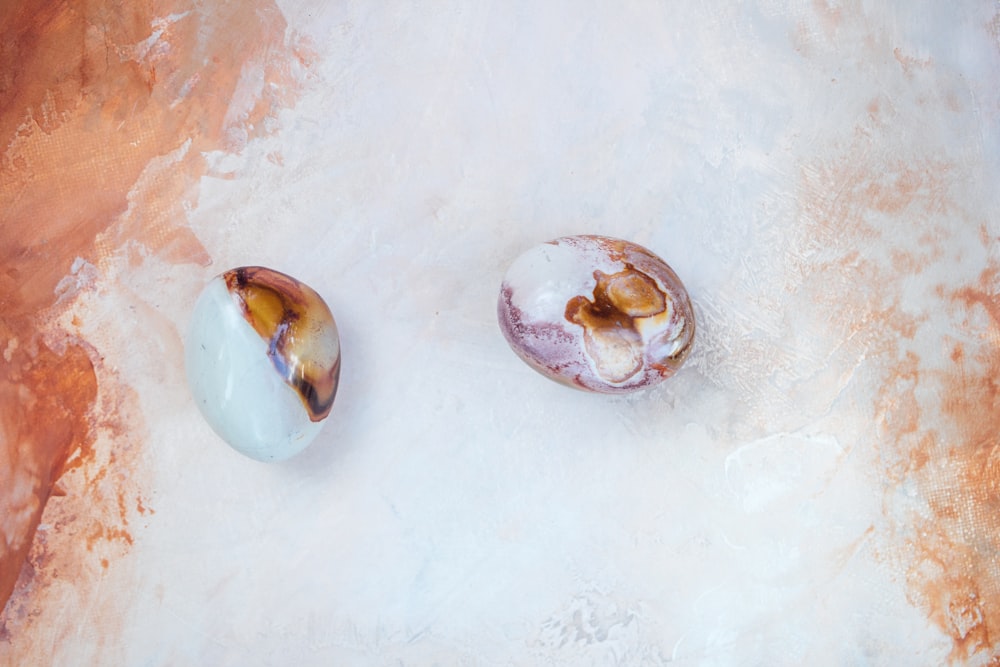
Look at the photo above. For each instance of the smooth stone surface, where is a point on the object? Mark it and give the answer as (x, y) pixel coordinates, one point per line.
(253, 395)
(596, 313)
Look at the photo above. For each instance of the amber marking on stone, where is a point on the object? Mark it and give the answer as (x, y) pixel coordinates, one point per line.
(299, 331)
(609, 321)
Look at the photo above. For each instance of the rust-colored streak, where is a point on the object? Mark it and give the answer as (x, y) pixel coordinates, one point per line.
(883, 221)
(106, 108)
(299, 329)
(965, 537)
(941, 432)
(45, 399)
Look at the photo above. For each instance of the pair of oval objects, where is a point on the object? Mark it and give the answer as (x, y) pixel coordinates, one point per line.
(600, 314)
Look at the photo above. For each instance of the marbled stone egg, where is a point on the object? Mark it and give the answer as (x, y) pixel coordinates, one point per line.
(596, 313)
(263, 361)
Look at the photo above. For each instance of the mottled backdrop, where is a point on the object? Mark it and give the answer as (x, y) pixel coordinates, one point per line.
(820, 484)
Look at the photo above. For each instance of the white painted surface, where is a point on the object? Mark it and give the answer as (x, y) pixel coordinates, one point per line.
(458, 508)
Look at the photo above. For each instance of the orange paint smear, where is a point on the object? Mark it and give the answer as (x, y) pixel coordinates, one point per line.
(937, 416)
(940, 435)
(46, 400)
(106, 109)
(956, 570)
(881, 213)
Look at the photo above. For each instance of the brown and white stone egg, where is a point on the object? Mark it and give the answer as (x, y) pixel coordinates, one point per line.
(263, 361)
(596, 313)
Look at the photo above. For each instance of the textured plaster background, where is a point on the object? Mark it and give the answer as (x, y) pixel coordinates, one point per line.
(818, 485)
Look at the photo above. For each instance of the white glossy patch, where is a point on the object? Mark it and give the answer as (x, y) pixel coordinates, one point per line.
(235, 384)
(545, 275)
